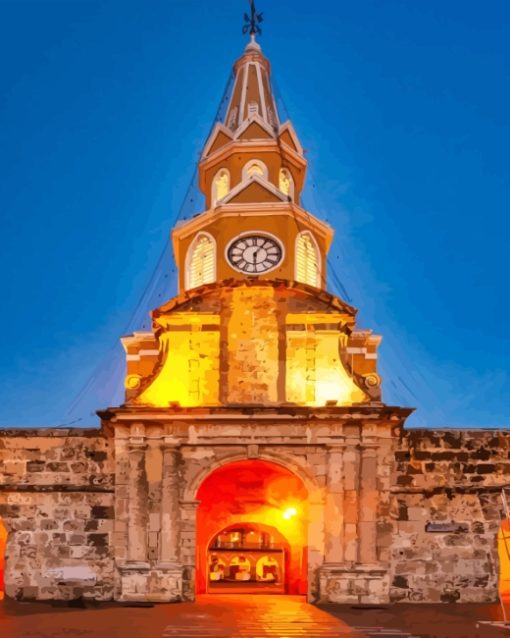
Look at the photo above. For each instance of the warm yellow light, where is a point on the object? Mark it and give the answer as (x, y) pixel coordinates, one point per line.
(285, 182)
(189, 374)
(289, 513)
(221, 186)
(315, 372)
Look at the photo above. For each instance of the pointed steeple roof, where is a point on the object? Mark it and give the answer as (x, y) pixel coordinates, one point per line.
(250, 130)
(252, 93)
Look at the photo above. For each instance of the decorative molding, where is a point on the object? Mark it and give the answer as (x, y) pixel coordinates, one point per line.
(132, 381)
(248, 122)
(133, 566)
(287, 126)
(137, 443)
(170, 443)
(252, 451)
(219, 127)
(57, 488)
(254, 209)
(371, 380)
(248, 182)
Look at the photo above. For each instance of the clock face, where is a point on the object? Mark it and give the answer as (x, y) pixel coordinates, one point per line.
(254, 254)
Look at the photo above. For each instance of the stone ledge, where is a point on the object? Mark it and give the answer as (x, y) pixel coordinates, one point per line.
(17, 487)
(353, 568)
(449, 490)
(53, 432)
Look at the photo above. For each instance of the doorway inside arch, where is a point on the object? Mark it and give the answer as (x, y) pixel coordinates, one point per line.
(3, 543)
(248, 558)
(252, 525)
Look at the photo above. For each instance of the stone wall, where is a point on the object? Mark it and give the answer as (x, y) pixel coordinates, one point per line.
(57, 504)
(412, 515)
(446, 514)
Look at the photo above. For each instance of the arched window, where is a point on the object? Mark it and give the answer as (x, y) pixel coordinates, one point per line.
(254, 167)
(286, 183)
(201, 261)
(307, 260)
(221, 185)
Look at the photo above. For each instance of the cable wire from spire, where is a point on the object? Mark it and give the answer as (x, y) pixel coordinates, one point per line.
(106, 378)
(396, 364)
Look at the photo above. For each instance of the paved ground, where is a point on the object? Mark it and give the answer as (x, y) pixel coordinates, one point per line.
(220, 616)
(425, 620)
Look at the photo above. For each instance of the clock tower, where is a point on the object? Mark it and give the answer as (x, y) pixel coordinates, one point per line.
(253, 384)
(253, 323)
(252, 172)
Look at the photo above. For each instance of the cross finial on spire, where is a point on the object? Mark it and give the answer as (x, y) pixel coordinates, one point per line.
(252, 21)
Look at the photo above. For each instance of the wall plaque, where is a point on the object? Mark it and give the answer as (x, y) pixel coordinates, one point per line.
(446, 527)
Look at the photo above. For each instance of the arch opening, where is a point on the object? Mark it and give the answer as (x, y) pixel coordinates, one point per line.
(3, 545)
(252, 530)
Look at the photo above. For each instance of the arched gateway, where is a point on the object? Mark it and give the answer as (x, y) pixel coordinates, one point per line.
(252, 530)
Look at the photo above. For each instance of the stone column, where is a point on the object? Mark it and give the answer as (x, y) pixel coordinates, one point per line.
(316, 511)
(351, 487)
(137, 504)
(368, 504)
(188, 553)
(169, 550)
(334, 517)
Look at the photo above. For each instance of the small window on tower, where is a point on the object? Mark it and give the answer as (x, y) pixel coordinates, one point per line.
(270, 116)
(221, 185)
(255, 167)
(253, 109)
(232, 120)
(307, 260)
(286, 183)
(201, 261)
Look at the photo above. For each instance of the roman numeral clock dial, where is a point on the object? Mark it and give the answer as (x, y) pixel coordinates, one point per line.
(254, 254)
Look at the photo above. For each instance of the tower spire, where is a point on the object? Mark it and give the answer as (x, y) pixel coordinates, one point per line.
(252, 21)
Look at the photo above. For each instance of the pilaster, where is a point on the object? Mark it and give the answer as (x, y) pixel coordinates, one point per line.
(137, 504)
(368, 499)
(169, 540)
(334, 515)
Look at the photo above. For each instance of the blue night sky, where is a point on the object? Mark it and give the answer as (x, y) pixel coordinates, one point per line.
(403, 107)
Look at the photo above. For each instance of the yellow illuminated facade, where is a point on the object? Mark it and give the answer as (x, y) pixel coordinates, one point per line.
(253, 323)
